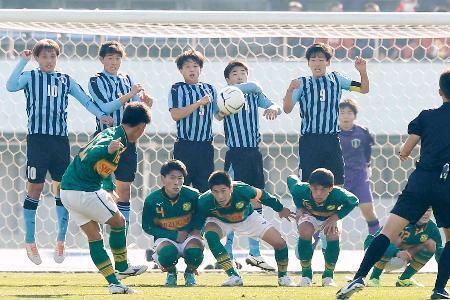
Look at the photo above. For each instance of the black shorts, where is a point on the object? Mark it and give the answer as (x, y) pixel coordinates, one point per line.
(46, 153)
(246, 165)
(126, 169)
(320, 151)
(199, 160)
(424, 189)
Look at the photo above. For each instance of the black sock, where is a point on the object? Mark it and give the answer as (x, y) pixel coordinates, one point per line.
(373, 254)
(443, 268)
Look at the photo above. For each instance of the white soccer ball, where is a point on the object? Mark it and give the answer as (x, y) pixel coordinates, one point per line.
(230, 100)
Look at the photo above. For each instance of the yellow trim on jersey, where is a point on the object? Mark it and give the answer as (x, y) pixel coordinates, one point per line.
(104, 168)
(173, 223)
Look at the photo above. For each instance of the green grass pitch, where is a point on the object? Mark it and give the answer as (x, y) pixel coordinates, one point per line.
(150, 285)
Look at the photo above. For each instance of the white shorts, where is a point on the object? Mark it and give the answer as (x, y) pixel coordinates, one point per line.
(254, 226)
(180, 246)
(88, 206)
(317, 224)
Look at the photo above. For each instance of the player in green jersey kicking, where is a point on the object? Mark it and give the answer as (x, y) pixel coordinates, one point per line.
(320, 207)
(415, 246)
(168, 217)
(226, 208)
(90, 205)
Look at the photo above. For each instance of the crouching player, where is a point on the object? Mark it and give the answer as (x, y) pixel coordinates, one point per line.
(226, 208)
(415, 246)
(90, 205)
(167, 216)
(320, 207)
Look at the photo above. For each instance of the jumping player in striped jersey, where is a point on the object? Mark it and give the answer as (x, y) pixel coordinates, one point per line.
(192, 105)
(243, 160)
(318, 96)
(47, 91)
(111, 90)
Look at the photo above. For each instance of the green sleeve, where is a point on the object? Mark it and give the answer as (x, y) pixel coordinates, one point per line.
(200, 215)
(150, 228)
(436, 236)
(108, 184)
(349, 202)
(296, 188)
(94, 153)
(270, 200)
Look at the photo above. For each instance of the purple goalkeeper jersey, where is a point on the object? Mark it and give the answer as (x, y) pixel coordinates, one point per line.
(356, 147)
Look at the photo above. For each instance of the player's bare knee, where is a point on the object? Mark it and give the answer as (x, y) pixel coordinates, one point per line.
(332, 236)
(162, 245)
(35, 189)
(117, 220)
(194, 243)
(279, 244)
(213, 227)
(306, 231)
(123, 189)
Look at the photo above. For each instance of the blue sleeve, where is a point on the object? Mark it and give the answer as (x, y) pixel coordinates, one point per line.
(18, 79)
(249, 87)
(136, 98)
(78, 93)
(174, 97)
(263, 101)
(344, 81)
(297, 94)
(99, 95)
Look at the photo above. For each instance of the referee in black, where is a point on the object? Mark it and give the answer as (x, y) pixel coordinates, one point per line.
(318, 96)
(428, 185)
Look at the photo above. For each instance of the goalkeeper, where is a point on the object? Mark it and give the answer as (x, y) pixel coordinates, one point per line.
(416, 244)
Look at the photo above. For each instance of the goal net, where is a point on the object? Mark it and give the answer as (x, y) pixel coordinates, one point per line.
(405, 54)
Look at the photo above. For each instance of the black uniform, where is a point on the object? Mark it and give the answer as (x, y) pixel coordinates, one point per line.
(429, 185)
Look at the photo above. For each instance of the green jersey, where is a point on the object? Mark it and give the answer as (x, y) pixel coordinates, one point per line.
(163, 217)
(339, 201)
(240, 206)
(413, 235)
(93, 164)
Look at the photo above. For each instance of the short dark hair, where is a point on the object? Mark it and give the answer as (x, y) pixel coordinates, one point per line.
(219, 178)
(319, 48)
(371, 6)
(444, 83)
(111, 47)
(231, 65)
(173, 165)
(321, 176)
(191, 54)
(349, 103)
(46, 44)
(136, 113)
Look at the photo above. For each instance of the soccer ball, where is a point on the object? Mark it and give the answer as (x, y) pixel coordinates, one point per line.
(230, 100)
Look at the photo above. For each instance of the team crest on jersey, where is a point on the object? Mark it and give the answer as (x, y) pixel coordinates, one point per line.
(423, 238)
(307, 204)
(356, 143)
(63, 79)
(240, 205)
(187, 206)
(331, 207)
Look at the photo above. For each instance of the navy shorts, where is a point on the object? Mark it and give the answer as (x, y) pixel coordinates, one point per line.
(246, 165)
(127, 167)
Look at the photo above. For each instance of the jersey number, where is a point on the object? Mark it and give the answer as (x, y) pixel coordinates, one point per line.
(31, 172)
(52, 90)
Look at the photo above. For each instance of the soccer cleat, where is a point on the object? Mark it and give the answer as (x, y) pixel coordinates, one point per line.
(189, 279)
(259, 262)
(233, 280)
(408, 283)
(285, 281)
(131, 271)
(373, 282)
(350, 288)
(59, 254)
(118, 288)
(328, 281)
(305, 282)
(440, 294)
(171, 279)
(149, 255)
(33, 253)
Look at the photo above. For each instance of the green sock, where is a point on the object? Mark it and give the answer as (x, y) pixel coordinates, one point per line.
(417, 262)
(331, 256)
(220, 253)
(118, 245)
(379, 267)
(102, 261)
(281, 256)
(193, 257)
(305, 252)
(168, 257)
